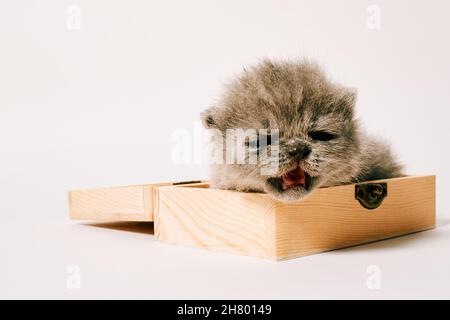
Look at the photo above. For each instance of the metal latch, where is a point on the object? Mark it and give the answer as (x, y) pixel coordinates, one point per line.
(371, 195)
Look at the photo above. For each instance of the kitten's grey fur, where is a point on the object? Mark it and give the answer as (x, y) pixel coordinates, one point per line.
(317, 131)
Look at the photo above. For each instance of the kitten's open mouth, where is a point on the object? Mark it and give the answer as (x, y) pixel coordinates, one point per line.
(295, 179)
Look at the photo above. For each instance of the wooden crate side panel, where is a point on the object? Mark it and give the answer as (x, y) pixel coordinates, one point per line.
(331, 218)
(132, 203)
(218, 220)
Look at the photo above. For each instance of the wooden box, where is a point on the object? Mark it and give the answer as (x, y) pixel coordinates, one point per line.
(254, 224)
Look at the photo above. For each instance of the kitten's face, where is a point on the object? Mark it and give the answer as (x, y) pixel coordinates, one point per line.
(316, 130)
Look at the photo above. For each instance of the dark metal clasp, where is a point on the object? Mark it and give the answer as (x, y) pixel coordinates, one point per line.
(186, 182)
(371, 195)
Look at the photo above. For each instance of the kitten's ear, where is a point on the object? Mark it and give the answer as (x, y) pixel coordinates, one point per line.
(349, 97)
(209, 118)
(347, 101)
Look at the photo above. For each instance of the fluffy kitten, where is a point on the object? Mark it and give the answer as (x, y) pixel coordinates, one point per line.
(319, 141)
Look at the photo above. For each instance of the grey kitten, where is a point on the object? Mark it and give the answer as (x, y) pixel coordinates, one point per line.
(319, 142)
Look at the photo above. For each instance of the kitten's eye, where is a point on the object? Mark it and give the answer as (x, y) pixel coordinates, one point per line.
(266, 139)
(322, 135)
(255, 143)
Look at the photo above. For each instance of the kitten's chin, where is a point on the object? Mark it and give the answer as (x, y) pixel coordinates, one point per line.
(291, 186)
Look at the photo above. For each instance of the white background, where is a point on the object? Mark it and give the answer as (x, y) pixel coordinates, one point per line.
(97, 107)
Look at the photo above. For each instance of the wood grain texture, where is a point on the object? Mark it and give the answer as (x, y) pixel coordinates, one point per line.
(219, 220)
(328, 219)
(130, 203)
(332, 218)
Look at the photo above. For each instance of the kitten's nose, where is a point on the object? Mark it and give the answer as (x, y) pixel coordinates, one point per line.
(300, 153)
